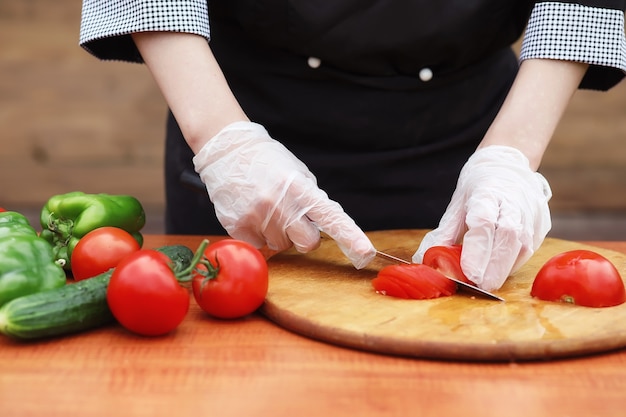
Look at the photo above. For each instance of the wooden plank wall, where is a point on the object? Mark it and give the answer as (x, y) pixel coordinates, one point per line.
(69, 122)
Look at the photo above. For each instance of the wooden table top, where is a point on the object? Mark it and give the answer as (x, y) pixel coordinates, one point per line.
(251, 367)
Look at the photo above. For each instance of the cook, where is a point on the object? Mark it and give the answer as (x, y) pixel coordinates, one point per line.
(288, 118)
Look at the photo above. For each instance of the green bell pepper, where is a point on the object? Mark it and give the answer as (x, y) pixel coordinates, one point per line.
(14, 223)
(27, 264)
(66, 218)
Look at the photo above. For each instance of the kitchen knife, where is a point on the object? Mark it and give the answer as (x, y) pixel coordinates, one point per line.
(462, 285)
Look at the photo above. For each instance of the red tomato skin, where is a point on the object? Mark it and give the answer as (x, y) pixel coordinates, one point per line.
(414, 281)
(447, 260)
(100, 250)
(580, 277)
(144, 295)
(242, 282)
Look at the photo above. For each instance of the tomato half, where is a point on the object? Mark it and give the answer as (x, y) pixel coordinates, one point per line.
(236, 281)
(414, 281)
(145, 296)
(100, 250)
(447, 260)
(581, 277)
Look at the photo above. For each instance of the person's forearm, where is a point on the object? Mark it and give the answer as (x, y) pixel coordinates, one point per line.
(191, 82)
(534, 106)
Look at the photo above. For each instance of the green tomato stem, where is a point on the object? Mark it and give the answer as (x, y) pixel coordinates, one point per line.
(186, 274)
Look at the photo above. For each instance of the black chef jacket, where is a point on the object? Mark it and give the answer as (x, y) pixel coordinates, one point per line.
(383, 139)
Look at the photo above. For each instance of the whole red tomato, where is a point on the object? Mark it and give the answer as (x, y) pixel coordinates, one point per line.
(145, 296)
(581, 277)
(447, 260)
(233, 280)
(100, 250)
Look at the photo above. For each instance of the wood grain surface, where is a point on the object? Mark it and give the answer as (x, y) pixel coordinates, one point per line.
(320, 295)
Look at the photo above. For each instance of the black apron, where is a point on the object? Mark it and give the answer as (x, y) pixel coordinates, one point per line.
(383, 142)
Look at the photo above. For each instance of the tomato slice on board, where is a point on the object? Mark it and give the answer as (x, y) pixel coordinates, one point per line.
(447, 260)
(580, 277)
(414, 281)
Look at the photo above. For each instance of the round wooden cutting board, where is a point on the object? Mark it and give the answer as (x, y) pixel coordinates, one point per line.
(320, 295)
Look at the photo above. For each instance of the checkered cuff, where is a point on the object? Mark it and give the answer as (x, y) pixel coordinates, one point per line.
(574, 32)
(106, 25)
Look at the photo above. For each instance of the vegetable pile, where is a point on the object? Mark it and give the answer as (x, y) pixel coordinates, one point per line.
(87, 268)
(71, 308)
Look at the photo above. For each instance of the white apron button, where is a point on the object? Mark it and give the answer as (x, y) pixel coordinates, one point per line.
(426, 74)
(314, 62)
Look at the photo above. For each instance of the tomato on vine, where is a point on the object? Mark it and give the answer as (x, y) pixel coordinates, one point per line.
(232, 279)
(145, 295)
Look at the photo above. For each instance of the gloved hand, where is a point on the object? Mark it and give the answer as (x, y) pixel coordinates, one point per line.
(499, 211)
(263, 195)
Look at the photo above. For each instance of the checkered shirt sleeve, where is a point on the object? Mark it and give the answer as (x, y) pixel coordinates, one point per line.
(106, 25)
(575, 32)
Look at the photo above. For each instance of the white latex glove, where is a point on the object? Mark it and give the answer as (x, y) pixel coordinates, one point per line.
(263, 195)
(499, 211)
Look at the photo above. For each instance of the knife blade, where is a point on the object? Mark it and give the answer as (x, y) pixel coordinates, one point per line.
(462, 285)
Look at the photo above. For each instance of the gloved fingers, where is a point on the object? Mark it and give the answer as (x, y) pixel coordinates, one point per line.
(539, 224)
(304, 234)
(251, 236)
(481, 219)
(284, 224)
(542, 221)
(249, 223)
(357, 247)
(243, 223)
(277, 240)
(496, 240)
(330, 218)
(500, 242)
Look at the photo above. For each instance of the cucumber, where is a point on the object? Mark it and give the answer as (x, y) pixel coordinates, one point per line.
(72, 308)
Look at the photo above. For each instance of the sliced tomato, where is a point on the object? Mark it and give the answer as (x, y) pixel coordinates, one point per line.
(415, 281)
(580, 277)
(447, 260)
(399, 286)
